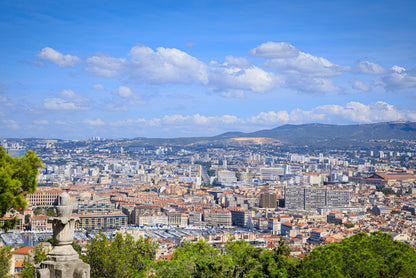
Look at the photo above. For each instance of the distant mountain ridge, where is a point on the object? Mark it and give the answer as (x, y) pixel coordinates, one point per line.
(379, 131)
(315, 133)
(377, 135)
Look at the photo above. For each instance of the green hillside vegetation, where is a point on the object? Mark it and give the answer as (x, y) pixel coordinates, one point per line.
(361, 255)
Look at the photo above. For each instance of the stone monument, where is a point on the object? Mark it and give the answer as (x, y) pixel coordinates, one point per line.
(63, 261)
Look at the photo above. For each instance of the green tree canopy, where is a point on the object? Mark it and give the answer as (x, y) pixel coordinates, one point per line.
(361, 255)
(5, 260)
(195, 260)
(17, 178)
(238, 259)
(123, 257)
(39, 255)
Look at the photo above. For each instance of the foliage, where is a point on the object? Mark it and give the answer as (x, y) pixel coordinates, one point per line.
(38, 211)
(50, 212)
(376, 255)
(5, 260)
(123, 257)
(77, 248)
(17, 178)
(239, 259)
(39, 255)
(195, 260)
(387, 191)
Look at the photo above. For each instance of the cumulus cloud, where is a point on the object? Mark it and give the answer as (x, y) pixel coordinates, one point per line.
(240, 62)
(105, 66)
(66, 100)
(225, 77)
(275, 50)
(98, 87)
(97, 122)
(68, 94)
(124, 92)
(284, 66)
(312, 84)
(398, 78)
(359, 85)
(58, 58)
(305, 64)
(166, 65)
(11, 124)
(353, 112)
(41, 122)
(60, 104)
(271, 117)
(128, 122)
(128, 97)
(370, 68)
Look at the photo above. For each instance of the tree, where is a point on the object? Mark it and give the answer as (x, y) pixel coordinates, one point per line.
(361, 255)
(39, 255)
(238, 259)
(5, 260)
(17, 178)
(123, 257)
(195, 260)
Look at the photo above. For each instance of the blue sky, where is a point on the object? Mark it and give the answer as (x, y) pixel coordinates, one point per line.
(125, 69)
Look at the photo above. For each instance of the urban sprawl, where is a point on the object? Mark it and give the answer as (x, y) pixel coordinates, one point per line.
(253, 191)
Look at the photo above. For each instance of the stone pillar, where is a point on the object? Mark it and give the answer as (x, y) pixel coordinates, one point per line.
(63, 261)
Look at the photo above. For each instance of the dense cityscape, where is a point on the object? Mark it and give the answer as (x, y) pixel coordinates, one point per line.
(253, 190)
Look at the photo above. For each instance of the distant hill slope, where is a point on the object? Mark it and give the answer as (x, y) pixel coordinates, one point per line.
(393, 130)
(312, 135)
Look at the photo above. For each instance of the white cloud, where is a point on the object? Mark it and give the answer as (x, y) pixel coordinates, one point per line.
(271, 117)
(66, 100)
(398, 69)
(359, 85)
(370, 68)
(225, 77)
(68, 94)
(312, 84)
(3, 99)
(230, 93)
(128, 122)
(98, 87)
(305, 64)
(97, 122)
(233, 78)
(240, 62)
(60, 104)
(275, 50)
(166, 65)
(124, 92)
(58, 58)
(353, 112)
(41, 122)
(398, 78)
(128, 98)
(11, 124)
(105, 66)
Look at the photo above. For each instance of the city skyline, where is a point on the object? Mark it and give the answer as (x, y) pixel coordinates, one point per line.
(74, 70)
